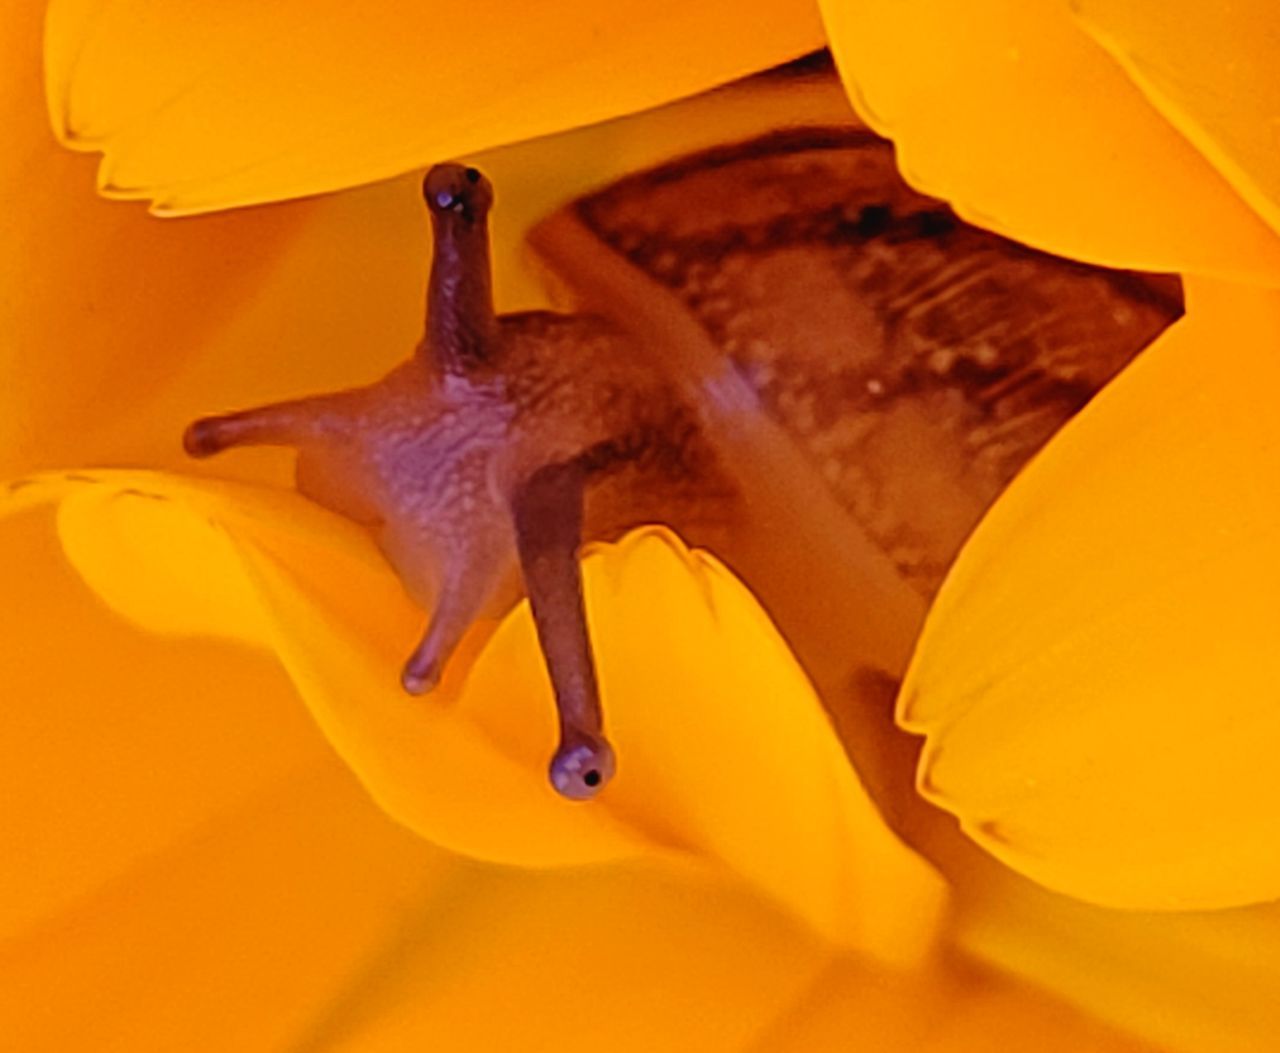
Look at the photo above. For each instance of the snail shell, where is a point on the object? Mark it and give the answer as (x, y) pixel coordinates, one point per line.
(779, 350)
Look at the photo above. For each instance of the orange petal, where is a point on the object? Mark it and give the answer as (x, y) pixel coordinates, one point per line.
(1191, 983)
(173, 823)
(1098, 677)
(307, 920)
(242, 934)
(102, 305)
(204, 108)
(623, 958)
(1009, 111)
(1211, 70)
(114, 745)
(725, 751)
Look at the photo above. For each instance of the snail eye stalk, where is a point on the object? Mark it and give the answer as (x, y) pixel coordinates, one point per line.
(548, 520)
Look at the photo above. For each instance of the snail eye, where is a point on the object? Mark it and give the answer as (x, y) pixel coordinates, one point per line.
(473, 174)
(579, 771)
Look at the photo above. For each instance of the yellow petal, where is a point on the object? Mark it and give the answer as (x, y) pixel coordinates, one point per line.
(725, 751)
(1211, 70)
(1098, 679)
(1191, 983)
(113, 745)
(1009, 111)
(306, 920)
(241, 935)
(203, 108)
(102, 306)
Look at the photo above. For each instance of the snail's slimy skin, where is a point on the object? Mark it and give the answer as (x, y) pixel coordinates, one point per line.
(793, 360)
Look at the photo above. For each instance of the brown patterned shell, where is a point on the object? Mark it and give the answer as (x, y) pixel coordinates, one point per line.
(916, 360)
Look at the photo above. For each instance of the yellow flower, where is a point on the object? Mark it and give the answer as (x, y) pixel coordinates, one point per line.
(201, 870)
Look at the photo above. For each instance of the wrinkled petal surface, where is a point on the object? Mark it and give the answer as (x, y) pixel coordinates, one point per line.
(724, 749)
(1099, 679)
(200, 107)
(1008, 110)
(1211, 70)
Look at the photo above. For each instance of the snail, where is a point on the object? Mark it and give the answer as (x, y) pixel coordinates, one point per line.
(779, 350)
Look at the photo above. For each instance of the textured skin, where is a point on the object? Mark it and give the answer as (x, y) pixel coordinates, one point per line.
(431, 461)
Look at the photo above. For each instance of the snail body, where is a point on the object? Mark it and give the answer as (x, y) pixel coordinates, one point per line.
(781, 352)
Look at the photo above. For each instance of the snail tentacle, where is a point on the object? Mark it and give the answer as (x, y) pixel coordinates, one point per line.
(461, 329)
(548, 517)
(289, 423)
(467, 589)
